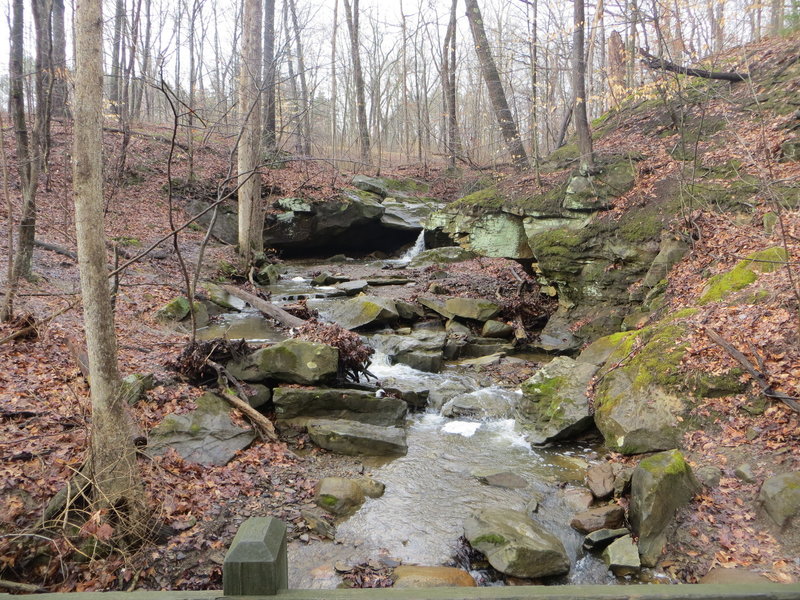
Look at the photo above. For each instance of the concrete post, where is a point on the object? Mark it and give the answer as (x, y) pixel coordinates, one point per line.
(256, 563)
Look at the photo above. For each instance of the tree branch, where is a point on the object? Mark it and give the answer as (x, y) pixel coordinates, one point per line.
(664, 65)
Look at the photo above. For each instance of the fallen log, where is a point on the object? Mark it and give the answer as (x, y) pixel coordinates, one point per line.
(664, 65)
(57, 249)
(758, 376)
(268, 308)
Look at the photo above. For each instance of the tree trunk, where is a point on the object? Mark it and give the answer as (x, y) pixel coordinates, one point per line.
(334, 129)
(505, 119)
(351, 16)
(42, 10)
(579, 85)
(116, 482)
(305, 107)
(269, 76)
(250, 236)
(58, 101)
(616, 67)
(449, 88)
(27, 161)
(116, 56)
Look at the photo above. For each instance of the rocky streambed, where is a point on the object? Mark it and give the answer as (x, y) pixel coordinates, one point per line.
(448, 442)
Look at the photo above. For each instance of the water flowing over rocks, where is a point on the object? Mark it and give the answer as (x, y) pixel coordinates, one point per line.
(516, 545)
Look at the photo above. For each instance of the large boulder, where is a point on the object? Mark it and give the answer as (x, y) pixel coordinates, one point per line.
(365, 311)
(610, 516)
(354, 438)
(387, 187)
(597, 191)
(488, 233)
(328, 403)
(780, 496)
(338, 495)
(516, 545)
(205, 435)
(622, 556)
(226, 223)
(471, 308)
(405, 214)
(661, 484)
(294, 361)
(554, 405)
(639, 403)
(421, 350)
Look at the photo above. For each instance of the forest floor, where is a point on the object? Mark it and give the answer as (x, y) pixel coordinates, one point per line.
(45, 407)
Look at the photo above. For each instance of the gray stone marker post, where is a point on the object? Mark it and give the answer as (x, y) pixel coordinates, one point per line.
(256, 563)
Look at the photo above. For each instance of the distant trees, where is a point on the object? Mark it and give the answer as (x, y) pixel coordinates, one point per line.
(579, 87)
(351, 16)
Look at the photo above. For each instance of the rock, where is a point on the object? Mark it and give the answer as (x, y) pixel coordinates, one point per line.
(622, 557)
(670, 251)
(365, 311)
(471, 308)
(205, 435)
(422, 350)
(622, 479)
(258, 395)
(338, 496)
(597, 540)
(220, 297)
(135, 385)
(484, 361)
(351, 288)
(430, 362)
(610, 516)
(597, 192)
(600, 479)
(496, 329)
(475, 347)
(661, 484)
(226, 225)
(780, 496)
(504, 479)
(316, 522)
(175, 310)
(268, 274)
(532, 507)
(516, 545)
(294, 361)
(745, 473)
(744, 273)
(325, 278)
(390, 188)
(408, 311)
(353, 438)
(639, 406)
(733, 576)
(485, 403)
(578, 499)
(554, 405)
(406, 215)
(329, 403)
(708, 475)
(437, 289)
(371, 487)
(415, 395)
(492, 233)
(412, 576)
(436, 306)
(447, 254)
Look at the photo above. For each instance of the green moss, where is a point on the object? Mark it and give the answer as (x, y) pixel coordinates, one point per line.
(486, 198)
(127, 241)
(328, 501)
(406, 185)
(567, 153)
(744, 273)
(668, 463)
(175, 310)
(489, 538)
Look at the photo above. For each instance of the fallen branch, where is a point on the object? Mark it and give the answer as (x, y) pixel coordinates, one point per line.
(256, 418)
(57, 249)
(269, 309)
(27, 330)
(26, 588)
(758, 376)
(664, 65)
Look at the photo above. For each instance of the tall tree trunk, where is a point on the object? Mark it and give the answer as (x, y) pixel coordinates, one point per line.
(505, 120)
(116, 482)
(305, 106)
(351, 16)
(579, 85)
(533, 55)
(449, 88)
(333, 79)
(269, 76)
(27, 159)
(58, 99)
(116, 56)
(250, 235)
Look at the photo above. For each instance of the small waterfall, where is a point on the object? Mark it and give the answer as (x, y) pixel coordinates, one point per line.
(418, 247)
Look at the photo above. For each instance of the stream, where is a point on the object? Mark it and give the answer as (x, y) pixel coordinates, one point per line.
(431, 490)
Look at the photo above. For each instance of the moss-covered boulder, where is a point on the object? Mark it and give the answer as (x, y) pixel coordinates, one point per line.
(516, 545)
(661, 484)
(780, 496)
(554, 405)
(743, 274)
(386, 187)
(293, 361)
(205, 435)
(639, 401)
(597, 191)
(365, 311)
(173, 311)
(493, 233)
(338, 495)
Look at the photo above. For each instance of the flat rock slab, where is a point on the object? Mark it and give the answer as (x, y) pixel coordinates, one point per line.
(504, 480)
(331, 403)
(597, 540)
(353, 438)
(294, 361)
(601, 517)
(365, 311)
(412, 576)
(205, 435)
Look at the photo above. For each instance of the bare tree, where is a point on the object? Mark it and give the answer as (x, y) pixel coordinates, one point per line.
(579, 85)
(351, 16)
(505, 119)
(269, 75)
(250, 236)
(112, 467)
(449, 88)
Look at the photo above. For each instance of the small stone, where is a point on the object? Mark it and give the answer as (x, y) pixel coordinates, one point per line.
(578, 499)
(780, 496)
(304, 537)
(371, 487)
(610, 516)
(744, 472)
(622, 557)
(496, 329)
(708, 475)
(438, 289)
(622, 479)
(597, 540)
(600, 479)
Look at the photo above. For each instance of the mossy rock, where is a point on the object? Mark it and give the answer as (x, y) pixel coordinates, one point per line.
(743, 274)
(173, 311)
(597, 192)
